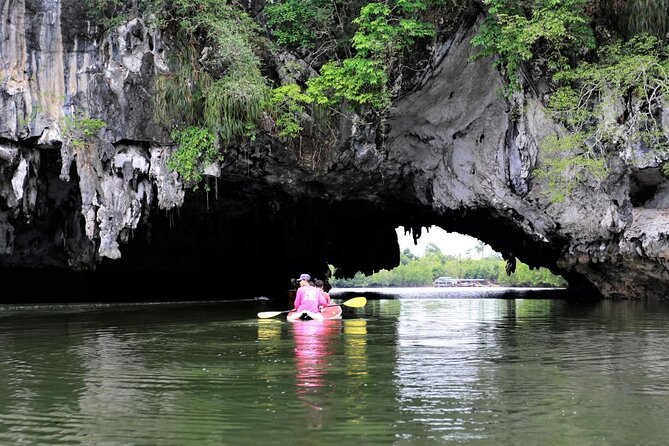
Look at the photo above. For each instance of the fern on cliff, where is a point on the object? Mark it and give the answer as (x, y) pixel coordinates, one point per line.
(645, 17)
(219, 89)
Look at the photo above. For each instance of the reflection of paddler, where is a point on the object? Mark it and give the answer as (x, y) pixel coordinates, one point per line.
(311, 351)
(311, 359)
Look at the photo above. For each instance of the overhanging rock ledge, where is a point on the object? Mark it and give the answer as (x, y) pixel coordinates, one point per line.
(110, 222)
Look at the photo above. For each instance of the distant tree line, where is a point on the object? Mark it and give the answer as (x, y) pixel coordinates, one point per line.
(421, 271)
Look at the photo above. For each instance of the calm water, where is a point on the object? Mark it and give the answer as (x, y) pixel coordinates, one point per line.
(417, 371)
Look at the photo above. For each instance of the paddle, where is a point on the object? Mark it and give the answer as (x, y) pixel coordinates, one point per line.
(355, 302)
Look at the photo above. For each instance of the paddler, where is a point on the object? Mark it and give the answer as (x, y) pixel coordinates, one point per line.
(309, 299)
(318, 283)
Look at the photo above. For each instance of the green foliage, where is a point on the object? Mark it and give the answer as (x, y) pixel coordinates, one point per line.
(385, 29)
(646, 17)
(407, 256)
(233, 105)
(106, 13)
(566, 107)
(513, 31)
(590, 103)
(196, 150)
(358, 80)
(432, 249)
(180, 95)
(566, 165)
(220, 89)
(288, 105)
(421, 271)
(79, 132)
(525, 276)
(636, 65)
(297, 23)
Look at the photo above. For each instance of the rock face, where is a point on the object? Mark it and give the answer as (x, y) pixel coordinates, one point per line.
(84, 220)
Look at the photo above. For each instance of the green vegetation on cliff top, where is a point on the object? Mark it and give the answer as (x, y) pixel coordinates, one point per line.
(608, 86)
(598, 57)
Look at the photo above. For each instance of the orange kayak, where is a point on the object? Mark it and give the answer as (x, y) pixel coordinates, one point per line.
(333, 312)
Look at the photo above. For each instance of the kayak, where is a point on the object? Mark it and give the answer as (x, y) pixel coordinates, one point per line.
(333, 312)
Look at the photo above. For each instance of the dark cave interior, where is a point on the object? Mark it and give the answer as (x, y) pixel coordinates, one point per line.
(237, 246)
(240, 240)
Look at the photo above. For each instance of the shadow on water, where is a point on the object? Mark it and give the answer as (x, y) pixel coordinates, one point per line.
(144, 313)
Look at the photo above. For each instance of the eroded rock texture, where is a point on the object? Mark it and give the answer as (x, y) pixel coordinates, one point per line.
(109, 221)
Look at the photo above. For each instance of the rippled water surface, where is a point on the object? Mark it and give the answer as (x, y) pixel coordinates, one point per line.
(422, 370)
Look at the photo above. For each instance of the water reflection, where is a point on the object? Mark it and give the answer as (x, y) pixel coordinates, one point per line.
(355, 343)
(487, 372)
(269, 330)
(476, 370)
(312, 351)
(110, 361)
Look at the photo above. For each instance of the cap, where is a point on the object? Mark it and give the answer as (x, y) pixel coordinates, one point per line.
(304, 277)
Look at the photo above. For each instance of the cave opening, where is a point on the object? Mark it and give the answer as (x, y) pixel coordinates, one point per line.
(449, 243)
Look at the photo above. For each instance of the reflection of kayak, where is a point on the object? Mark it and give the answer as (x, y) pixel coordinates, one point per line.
(333, 312)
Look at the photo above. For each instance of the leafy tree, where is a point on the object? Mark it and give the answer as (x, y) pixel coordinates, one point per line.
(407, 256)
(299, 23)
(480, 248)
(385, 29)
(288, 104)
(106, 13)
(433, 249)
(421, 271)
(517, 31)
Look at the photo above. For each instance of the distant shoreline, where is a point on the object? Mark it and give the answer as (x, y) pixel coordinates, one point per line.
(492, 292)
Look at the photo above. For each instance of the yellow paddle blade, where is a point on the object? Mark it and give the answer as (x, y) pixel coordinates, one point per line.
(268, 314)
(356, 302)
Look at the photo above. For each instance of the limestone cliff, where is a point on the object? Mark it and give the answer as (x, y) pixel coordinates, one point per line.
(87, 221)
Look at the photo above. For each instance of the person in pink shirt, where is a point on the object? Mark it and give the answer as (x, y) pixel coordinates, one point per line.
(309, 299)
